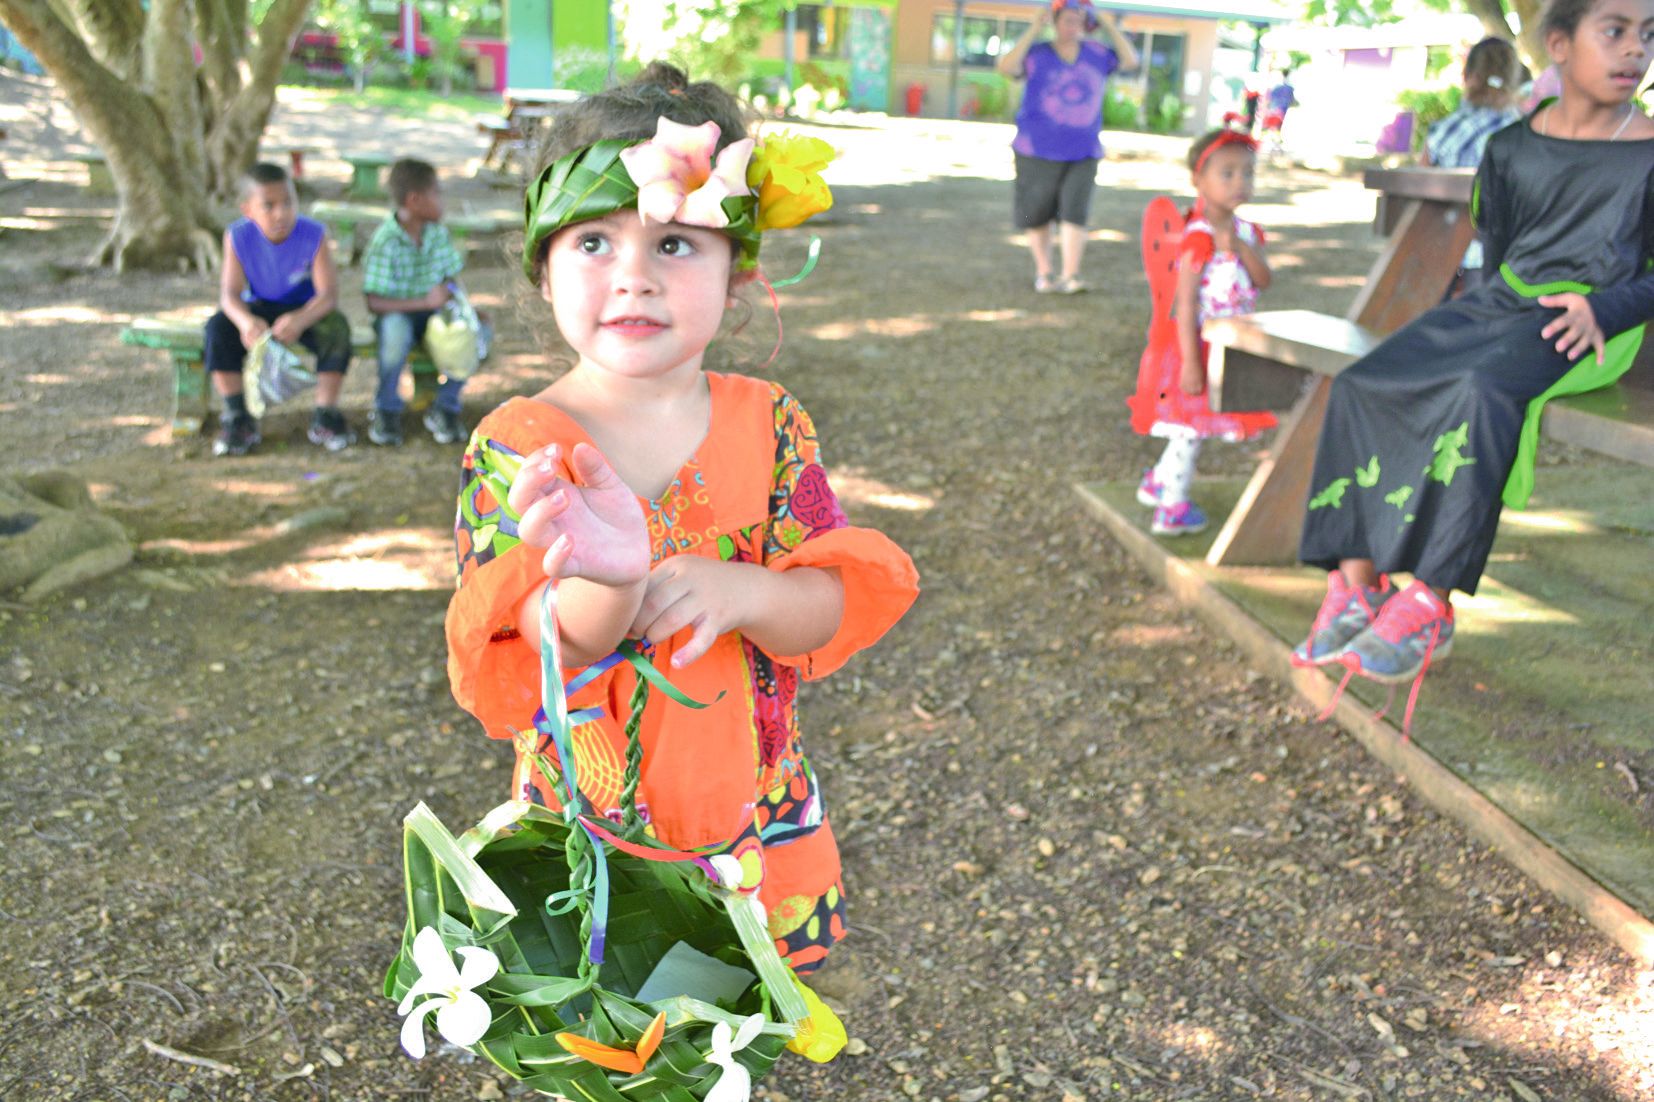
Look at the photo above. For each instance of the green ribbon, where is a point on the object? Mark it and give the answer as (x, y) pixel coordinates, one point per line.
(1587, 374)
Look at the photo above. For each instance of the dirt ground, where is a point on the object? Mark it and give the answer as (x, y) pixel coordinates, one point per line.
(1090, 855)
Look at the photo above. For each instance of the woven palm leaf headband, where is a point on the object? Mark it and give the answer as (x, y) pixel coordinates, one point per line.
(679, 175)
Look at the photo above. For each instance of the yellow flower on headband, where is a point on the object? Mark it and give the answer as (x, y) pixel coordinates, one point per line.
(786, 172)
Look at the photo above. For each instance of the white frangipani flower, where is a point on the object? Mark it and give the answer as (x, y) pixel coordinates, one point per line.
(735, 1084)
(462, 1016)
(728, 868)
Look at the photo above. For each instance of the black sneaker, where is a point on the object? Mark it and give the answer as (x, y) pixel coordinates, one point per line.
(328, 430)
(236, 436)
(385, 428)
(444, 426)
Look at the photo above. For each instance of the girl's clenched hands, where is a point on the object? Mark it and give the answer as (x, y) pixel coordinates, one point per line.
(592, 529)
(705, 595)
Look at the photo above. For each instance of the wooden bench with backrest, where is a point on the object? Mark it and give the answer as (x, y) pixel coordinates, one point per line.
(1285, 359)
(183, 341)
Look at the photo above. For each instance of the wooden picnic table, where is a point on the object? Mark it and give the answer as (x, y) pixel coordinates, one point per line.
(1258, 361)
(527, 112)
(1425, 213)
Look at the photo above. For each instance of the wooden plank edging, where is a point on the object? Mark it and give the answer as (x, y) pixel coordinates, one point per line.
(1439, 786)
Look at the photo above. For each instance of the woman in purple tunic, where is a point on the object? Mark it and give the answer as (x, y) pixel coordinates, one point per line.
(1057, 146)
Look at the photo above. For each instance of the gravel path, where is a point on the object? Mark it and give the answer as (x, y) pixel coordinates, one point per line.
(1090, 854)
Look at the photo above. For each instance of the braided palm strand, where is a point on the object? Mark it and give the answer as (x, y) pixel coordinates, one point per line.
(631, 823)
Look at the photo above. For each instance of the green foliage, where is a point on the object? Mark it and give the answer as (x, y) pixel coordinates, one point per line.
(1371, 13)
(361, 42)
(709, 39)
(1429, 106)
(1121, 111)
(993, 96)
(1164, 113)
(445, 23)
(583, 69)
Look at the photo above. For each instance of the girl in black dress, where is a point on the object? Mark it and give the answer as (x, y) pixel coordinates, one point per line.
(1427, 435)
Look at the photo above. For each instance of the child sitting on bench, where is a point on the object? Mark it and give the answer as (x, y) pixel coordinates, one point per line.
(1208, 265)
(408, 274)
(1427, 435)
(278, 279)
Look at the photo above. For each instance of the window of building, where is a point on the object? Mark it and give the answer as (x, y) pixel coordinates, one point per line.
(983, 40)
(826, 29)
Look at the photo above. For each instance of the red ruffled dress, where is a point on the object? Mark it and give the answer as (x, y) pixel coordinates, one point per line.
(735, 774)
(1171, 243)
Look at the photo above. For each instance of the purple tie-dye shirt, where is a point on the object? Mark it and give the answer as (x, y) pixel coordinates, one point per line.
(1062, 107)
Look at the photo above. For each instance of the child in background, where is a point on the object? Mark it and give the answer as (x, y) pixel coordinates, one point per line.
(1219, 269)
(1488, 105)
(1428, 433)
(279, 279)
(667, 504)
(406, 276)
(1491, 69)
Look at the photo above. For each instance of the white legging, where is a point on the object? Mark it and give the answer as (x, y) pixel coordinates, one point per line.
(1176, 469)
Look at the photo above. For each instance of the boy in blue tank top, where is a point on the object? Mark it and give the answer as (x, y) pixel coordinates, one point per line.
(279, 279)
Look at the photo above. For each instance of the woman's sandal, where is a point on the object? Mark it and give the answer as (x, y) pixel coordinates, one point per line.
(1045, 285)
(1071, 285)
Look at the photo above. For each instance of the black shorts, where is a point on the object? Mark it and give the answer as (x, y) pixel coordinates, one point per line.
(1048, 191)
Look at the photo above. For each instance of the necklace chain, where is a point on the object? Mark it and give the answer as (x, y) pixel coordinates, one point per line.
(1545, 124)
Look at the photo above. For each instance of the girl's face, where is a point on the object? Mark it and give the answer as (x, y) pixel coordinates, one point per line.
(639, 301)
(1225, 180)
(1607, 56)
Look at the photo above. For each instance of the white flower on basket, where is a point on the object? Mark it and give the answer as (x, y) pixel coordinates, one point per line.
(735, 1084)
(462, 1017)
(728, 869)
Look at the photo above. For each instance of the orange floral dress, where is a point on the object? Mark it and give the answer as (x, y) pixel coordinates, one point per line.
(735, 775)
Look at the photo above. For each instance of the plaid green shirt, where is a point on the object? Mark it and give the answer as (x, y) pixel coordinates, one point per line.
(395, 267)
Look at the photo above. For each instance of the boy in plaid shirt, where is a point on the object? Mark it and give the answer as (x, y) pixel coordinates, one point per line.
(408, 271)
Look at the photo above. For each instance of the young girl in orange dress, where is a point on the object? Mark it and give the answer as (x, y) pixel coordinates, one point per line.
(1210, 264)
(686, 510)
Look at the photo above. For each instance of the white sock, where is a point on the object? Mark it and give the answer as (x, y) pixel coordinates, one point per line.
(1176, 470)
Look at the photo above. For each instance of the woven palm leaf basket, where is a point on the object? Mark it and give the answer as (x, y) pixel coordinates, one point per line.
(586, 959)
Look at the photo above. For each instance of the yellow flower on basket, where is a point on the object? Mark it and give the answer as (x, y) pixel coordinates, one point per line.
(821, 1035)
(786, 173)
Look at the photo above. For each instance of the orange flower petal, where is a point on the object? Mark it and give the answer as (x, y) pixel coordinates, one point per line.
(615, 1059)
(650, 1041)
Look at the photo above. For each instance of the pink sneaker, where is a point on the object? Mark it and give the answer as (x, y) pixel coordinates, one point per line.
(1346, 612)
(1149, 489)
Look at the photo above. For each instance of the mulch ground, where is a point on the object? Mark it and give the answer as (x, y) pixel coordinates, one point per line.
(1090, 854)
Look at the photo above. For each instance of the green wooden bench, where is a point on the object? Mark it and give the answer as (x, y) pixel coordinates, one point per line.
(183, 341)
(99, 180)
(347, 221)
(365, 170)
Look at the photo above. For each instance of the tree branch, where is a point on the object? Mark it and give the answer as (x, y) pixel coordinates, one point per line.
(59, 48)
(112, 30)
(221, 48)
(1492, 15)
(169, 76)
(276, 32)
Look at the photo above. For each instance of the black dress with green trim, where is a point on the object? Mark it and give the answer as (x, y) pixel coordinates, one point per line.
(1429, 434)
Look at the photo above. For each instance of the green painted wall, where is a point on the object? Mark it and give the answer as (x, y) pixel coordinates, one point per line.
(536, 29)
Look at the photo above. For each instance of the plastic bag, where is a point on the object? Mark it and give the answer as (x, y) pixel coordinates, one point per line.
(455, 338)
(273, 373)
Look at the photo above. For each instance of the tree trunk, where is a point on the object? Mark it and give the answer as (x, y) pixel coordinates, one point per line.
(1492, 15)
(1531, 42)
(176, 136)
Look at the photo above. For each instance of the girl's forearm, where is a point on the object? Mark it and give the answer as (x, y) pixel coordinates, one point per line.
(796, 610)
(591, 619)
